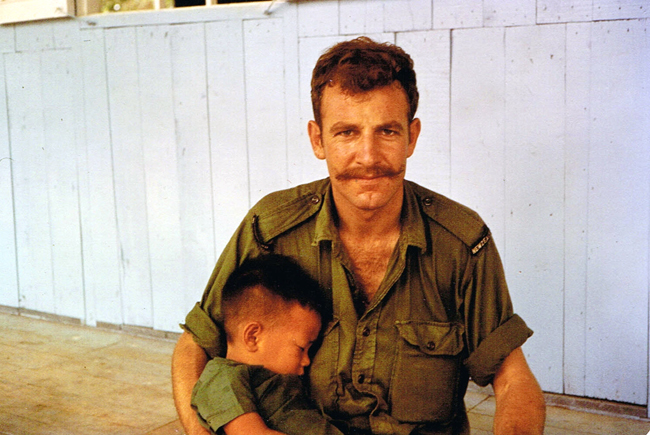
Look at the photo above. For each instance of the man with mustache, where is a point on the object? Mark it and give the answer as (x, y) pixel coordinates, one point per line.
(417, 287)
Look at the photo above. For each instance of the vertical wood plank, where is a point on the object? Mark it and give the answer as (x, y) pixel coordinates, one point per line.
(227, 108)
(267, 140)
(193, 154)
(430, 51)
(576, 156)
(318, 18)
(360, 17)
(129, 179)
(297, 147)
(8, 272)
(478, 125)
(508, 13)
(619, 206)
(535, 190)
(102, 282)
(161, 174)
(59, 80)
(450, 14)
(407, 15)
(29, 165)
(562, 11)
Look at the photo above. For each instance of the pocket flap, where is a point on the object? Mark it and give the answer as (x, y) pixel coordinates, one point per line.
(433, 338)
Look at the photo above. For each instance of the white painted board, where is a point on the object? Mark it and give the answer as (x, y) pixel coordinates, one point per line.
(478, 125)
(129, 177)
(576, 155)
(534, 250)
(265, 106)
(161, 173)
(431, 53)
(101, 253)
(619, 206)
(228, 146)
(30, 172)
(194, 159)
(60, 79)
(8, 275)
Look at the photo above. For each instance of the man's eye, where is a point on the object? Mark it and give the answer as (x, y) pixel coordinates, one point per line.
(389, 132)
(345, 133)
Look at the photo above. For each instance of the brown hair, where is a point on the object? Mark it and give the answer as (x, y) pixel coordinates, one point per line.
(361, 65)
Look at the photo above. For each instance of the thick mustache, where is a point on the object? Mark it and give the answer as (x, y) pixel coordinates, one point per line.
(369, 172)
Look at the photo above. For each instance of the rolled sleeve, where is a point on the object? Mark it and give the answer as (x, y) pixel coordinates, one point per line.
(484, 362)
(205, 331)
(223, 393)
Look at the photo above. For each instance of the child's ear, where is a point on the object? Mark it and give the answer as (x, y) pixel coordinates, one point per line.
(252, 332)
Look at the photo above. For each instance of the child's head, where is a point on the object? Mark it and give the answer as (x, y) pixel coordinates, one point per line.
(272, 312)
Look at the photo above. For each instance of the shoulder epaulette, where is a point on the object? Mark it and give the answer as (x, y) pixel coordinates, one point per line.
(461, 221)
(282, 210)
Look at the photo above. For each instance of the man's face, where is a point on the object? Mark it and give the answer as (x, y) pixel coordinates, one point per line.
(284, 348)
(365, 140)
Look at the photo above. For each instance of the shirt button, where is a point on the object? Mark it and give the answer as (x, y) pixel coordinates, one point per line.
(428, 201)
(431, 345)
(361, 378)
(366, 331)
(314, 199)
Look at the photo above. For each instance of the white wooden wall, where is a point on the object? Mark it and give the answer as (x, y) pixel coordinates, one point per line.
(131, 145)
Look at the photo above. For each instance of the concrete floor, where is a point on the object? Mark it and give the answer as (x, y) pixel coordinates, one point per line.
(58, 378)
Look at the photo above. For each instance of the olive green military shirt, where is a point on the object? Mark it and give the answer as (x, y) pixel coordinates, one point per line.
(441, 315)
(228, 389)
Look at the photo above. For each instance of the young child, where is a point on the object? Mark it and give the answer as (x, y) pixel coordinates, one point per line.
(272, 313)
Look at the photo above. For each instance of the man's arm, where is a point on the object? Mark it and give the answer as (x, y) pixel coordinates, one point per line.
(188, 362)
(520, 407)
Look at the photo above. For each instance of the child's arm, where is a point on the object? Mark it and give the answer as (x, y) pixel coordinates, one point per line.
(249, 424)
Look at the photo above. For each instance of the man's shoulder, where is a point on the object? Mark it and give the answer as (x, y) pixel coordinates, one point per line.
(458, 219)
(282, 210)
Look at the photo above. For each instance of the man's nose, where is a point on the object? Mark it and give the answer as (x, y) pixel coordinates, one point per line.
(367, 149)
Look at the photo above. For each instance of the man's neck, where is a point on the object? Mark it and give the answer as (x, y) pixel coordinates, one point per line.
(369, 237)
(369, 223)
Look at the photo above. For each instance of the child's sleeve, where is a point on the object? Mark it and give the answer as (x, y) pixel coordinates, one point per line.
(223, 393)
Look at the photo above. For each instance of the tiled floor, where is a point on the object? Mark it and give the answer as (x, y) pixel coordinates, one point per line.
(67, 379)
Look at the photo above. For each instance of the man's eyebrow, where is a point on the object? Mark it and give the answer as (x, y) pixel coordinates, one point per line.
(393, 125)
(341, 125)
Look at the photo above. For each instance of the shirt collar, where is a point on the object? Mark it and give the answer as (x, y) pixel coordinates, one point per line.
(413, 225)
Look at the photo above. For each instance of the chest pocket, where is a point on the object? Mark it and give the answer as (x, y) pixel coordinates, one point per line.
(425, 379)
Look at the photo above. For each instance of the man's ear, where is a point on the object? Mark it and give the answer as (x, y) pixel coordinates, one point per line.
(252, 332)
(414, 132)
(316, 139)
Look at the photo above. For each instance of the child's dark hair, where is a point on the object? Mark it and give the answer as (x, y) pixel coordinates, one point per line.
(263, 286)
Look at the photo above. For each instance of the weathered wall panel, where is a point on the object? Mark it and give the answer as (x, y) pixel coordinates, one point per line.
(534, 177)
(619, 206)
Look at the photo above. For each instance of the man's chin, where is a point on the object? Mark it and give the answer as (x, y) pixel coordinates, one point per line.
(370, 200)
(367, 194)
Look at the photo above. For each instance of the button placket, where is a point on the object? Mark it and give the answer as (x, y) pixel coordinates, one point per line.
(364, 350)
